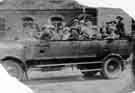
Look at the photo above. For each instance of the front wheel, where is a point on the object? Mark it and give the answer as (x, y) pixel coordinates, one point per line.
(14, 69)
(112, 68)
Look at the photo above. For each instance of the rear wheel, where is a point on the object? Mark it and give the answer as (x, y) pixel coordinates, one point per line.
(112, 68)
(14, 69)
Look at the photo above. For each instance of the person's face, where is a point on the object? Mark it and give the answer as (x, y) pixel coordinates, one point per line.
(66, 31)
(57, 23)
(51, 29)
(82, 23)
(118, 20)
(88, 23)
(28, 23)
(76, 22)
(113, 24)
(110, 25)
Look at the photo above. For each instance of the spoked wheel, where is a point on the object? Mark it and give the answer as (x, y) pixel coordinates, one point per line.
(14, 69)
(112, 68)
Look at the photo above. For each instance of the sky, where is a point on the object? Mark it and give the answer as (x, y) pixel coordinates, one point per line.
(127, 5)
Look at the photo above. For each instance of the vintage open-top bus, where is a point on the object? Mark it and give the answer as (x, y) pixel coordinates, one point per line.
(50, 34)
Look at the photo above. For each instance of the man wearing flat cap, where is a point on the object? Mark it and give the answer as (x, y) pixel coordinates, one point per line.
(120, 26)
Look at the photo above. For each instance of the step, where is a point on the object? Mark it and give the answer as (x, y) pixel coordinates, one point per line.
(68, 64)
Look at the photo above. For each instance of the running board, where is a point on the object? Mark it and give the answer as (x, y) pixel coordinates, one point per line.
(88, 70)
(67, 64)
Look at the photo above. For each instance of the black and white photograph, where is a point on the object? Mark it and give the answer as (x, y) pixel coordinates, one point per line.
(66, 46)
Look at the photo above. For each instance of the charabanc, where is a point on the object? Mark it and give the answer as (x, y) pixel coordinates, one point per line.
(52, 34)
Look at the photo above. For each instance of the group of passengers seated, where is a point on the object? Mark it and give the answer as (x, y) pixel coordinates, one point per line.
(113, 29)
(79, 30)
(83, 29)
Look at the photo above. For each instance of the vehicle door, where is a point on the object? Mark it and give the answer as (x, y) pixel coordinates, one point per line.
(107, 47)
(62, 49)
(88, 48)
(125, 47)
(55, 49)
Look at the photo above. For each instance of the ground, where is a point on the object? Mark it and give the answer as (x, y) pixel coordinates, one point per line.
(68, 81)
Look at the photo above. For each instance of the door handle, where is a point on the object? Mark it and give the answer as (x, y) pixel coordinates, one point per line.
(42, 51)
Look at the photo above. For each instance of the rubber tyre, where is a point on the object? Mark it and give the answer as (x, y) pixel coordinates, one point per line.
(14, 69)
(112, 68)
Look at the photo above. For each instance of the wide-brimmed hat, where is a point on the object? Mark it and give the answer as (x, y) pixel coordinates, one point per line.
(82, 21)
(66, 29)
(110, 22)
(75, 19)
(27, 19)
(119, 17)
(56, 18)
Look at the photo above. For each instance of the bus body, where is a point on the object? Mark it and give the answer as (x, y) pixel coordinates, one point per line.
(21, 51)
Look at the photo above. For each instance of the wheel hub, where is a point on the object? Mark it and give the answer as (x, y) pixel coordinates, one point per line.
(113, 66)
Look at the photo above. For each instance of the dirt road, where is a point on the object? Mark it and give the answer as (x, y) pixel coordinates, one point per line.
(67, 81)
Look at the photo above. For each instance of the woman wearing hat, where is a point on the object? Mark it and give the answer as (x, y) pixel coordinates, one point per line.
(30, 28)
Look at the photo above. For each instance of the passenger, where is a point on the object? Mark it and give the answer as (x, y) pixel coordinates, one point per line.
(66, 34)
(82, 23)
(108, 30)
(90, 30)
(45, 36)
(103, 31)
(83, 33)
(96, 34)
(112, 31)
(58, 26)
(45, 33)
(60, 30)
(45, 28)
(74, 34)
(112, 26)
(30, 27)
(86, 29)
(53, 33)
(75, 29)
(120, 26)
(76, 24)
